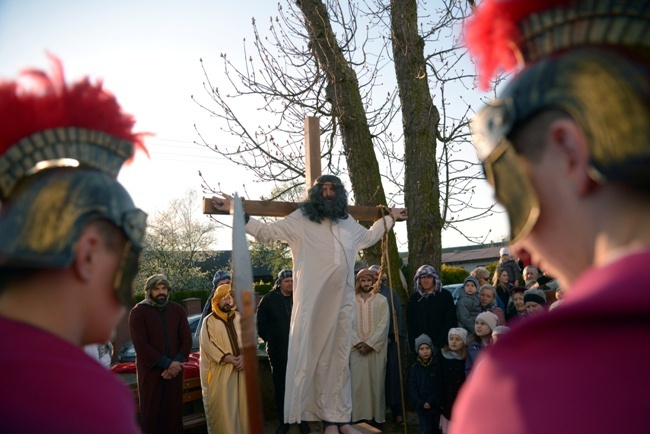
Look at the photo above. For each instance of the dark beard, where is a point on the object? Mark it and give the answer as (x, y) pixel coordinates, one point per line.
(227, 308)
(320, 208)
(161, 299)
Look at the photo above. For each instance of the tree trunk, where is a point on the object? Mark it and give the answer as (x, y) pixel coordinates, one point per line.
(420, 119)
(347, 106)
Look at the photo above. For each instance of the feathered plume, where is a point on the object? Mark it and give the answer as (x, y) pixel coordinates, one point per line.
(37, 101)
(492, 35)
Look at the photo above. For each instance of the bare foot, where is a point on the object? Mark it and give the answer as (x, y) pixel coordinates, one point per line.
(332, 429)
(348, 429)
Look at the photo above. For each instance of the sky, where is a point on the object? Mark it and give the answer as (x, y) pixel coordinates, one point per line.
(148, 54)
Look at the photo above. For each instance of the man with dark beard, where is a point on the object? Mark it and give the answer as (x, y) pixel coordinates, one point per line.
(162, 341)
(324, 244)
(222, 367)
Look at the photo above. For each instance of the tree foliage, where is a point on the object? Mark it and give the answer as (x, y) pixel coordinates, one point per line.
(175, 243)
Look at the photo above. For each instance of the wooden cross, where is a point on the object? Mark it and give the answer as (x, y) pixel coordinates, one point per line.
(269, 208)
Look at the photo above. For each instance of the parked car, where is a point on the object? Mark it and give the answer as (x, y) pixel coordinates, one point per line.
(127, 352)
(454, 289)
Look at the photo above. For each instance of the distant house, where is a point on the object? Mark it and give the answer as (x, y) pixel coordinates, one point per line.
(220, 260)
(470, 257)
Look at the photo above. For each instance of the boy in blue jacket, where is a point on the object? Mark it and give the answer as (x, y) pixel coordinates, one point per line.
(424, 386)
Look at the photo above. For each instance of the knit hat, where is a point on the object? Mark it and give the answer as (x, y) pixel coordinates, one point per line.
(535, 295)
(218, 277)
(472, 279)
(458, 331)
(423, 339)
(488, 318)
(499, 330)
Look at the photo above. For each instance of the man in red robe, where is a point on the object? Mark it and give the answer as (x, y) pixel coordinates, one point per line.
(162, 341)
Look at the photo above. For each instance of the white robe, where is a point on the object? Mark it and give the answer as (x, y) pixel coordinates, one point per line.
(368, 372)
(318, 368)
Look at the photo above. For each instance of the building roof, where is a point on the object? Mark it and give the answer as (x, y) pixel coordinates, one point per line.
(478, 253)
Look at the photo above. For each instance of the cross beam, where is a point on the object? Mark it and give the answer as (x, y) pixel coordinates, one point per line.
(269, 208)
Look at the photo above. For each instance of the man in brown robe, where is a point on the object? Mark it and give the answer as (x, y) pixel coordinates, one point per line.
(162, 341)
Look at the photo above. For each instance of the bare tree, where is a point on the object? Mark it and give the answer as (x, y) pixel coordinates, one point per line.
(334, 60)
(175, 243)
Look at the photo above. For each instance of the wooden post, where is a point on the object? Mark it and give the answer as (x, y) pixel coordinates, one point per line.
(312, 150)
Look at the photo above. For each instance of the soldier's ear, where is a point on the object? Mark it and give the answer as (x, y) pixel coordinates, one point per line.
(87, 256)
(570, 143)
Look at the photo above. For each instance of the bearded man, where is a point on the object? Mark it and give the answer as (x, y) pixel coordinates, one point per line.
(369, 351)
(222, 367)
(324, 244)
(162, 341)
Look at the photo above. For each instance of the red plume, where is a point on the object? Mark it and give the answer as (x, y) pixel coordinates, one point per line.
(492, 34)
(36, 102)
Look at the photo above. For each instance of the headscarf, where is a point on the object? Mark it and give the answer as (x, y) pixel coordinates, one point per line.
(427, 270)
(219, 293)
(284, 274)
(360, 274)
(152, 282)
(218, 277)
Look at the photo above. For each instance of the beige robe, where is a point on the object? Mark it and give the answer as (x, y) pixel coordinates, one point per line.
(318, 368)
(368, 372)
(223, 387)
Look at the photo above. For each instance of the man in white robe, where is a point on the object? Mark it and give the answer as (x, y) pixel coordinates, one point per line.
(324, 243)
(222, 367)
(369, 351)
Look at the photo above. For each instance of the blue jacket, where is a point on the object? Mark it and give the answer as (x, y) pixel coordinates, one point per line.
(425, 385)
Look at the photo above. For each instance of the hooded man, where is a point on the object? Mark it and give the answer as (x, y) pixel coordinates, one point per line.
(220, 278)
(430, 310)
(566, 148)
(222, 367)
(162, 341)
(324, 244)
(369, 350)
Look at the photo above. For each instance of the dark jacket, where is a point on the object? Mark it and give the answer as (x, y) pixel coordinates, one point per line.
(273, 321)
(473, 348)
(424, 385)
(385, 291)
(452, 375)
(433, 315)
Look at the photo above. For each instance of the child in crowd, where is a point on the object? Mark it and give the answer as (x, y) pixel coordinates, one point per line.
(485, 323)
(424, 386)
(510, 265)
(452, 373)
(468, 306)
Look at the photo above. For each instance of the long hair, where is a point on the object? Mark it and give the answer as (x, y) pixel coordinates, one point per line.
(317, 209)
(497, 273)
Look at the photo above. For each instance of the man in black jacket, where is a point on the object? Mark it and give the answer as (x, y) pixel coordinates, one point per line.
(273, 321)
